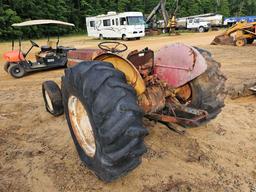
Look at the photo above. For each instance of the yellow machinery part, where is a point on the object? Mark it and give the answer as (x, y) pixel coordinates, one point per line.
(236, 33)
(131, 73)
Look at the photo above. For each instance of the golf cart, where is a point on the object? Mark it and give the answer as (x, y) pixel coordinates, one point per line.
(50, 56)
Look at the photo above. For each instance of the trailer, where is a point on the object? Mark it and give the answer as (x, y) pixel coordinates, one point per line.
(229, 21)
(126, 25)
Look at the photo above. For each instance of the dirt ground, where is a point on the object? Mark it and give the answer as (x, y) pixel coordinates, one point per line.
(37, 153)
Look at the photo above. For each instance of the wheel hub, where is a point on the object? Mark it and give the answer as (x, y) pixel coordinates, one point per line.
(81, 126)
(17, 70)
(184, 94)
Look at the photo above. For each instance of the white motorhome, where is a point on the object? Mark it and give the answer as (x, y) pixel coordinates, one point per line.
(126, 25)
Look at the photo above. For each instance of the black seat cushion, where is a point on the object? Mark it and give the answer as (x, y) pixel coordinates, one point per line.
(45, 48)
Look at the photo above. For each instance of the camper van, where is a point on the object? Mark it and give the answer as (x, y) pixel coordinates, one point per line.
(126, 25)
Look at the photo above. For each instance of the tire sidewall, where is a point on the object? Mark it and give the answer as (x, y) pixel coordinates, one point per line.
(55, 99)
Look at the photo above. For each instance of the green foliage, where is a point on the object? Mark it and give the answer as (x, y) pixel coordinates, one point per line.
(75, 11)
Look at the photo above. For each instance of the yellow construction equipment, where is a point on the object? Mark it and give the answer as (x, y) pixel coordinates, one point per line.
(240, 34)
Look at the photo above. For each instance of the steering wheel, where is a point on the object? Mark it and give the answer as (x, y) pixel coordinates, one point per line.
(34, 44)
(113, 47)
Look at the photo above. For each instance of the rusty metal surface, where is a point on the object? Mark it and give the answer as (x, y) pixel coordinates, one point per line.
(152, 100)
(142, 60)
(184, 93)
(177, 64)
(80, 55)
(194, 120)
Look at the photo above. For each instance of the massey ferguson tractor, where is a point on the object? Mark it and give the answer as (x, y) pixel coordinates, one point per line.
(105, 96)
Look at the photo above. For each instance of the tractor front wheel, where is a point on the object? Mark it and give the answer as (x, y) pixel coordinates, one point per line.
(104, 118)
(52, 98)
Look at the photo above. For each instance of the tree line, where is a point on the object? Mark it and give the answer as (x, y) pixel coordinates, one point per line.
(75, 11)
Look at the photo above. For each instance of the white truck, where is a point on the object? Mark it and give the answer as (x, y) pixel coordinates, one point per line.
(215, 20)
(198, 24)
(126, 25)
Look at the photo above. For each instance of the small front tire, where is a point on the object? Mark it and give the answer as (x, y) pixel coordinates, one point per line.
(52, 98)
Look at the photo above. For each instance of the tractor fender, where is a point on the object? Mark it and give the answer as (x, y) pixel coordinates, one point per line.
(13, 56)
(177, 64)
(132, 75)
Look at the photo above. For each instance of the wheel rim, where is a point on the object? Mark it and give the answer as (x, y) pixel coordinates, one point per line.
(240, 43)
(17, 70)
(81, 126)
(184, 94)
(48, 101)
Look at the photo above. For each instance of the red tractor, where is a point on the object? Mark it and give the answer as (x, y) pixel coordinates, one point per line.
(105, 97)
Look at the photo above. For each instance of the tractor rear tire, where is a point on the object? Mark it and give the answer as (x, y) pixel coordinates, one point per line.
(52, 98)
(208, 90)
(99, 94)
(16, 70)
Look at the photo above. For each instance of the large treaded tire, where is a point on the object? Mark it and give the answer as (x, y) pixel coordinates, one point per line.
(208, 90)
(115, 117)
(52, 93)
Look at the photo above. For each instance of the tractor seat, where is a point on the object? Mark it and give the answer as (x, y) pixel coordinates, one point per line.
(46, 48)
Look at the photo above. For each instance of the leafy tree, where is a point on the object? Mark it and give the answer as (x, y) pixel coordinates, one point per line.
(75, 11)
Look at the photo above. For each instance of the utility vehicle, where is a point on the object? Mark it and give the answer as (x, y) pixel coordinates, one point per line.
(50, 56)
